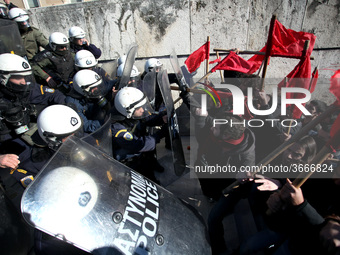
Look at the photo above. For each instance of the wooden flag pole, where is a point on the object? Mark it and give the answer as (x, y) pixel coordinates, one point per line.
(301, 133)
(268, 49)
(197, 91)
(304, 52)
(207, 60)
(319, 158)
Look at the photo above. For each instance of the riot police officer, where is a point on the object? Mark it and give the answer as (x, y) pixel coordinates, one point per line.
(131, 142)
(89, 98)
(31, 36)
(79, 42)
(55, 65)
(21, 99)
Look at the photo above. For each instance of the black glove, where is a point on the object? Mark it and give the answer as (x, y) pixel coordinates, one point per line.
(161, 133)
(183, 85)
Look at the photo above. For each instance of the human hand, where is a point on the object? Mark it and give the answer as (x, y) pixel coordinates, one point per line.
(9, 161)
(330, 237)
(86, 42)
(268, 184)
(291, 195)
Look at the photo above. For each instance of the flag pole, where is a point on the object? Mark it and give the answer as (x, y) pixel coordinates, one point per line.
(274, 154)
(304, 52)
(319, 158)
(268, 48)
(207, 60)
(248, 52)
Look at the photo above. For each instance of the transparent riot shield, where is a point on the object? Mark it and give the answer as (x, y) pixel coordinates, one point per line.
(130, 60)
(101, 138)
(99, 205)
(149, 86)
(10, 38)
(175, 138)
(182, 74)
(110, 68)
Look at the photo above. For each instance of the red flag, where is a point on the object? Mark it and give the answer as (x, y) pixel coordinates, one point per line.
(335, 90)
(217, 60)
(286, 42)
(256, 61)
(197, 57)
(233, 62)
(335, 86)
(298, 78)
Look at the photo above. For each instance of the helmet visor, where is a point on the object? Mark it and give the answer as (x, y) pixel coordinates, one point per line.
(61, 47)
(3, 13)
(24, 25)
(142, 109)
(20, 83)
(94, 91)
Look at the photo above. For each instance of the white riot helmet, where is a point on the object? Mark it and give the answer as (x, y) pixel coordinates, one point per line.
(12, 65)
(121, 60)
(151, 63)
(58, 39)
(57, 122)
(134, 71)
(3, 11)
(89, 84)
(128, 102)
(20, 16)
(76, 33)
(84, 59)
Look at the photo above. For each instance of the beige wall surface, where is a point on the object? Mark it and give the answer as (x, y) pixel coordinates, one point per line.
(158, 27)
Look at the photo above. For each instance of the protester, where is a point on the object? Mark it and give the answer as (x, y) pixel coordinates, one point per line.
(300, 152)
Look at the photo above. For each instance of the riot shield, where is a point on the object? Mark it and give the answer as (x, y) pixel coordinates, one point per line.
(101, 138)
(130, 60)
(186, 77)
(175, 138)
(10, 38)
(149, 86)
(99, 205)
(110, 68)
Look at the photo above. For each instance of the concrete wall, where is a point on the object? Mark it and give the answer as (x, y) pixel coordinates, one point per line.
(158, 27)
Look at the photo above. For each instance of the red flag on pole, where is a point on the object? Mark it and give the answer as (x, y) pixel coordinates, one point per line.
(233, 62)
(197, 57)
(286, 43)
(298, 78)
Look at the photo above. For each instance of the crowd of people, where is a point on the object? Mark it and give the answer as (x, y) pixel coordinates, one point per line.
(57, 89)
